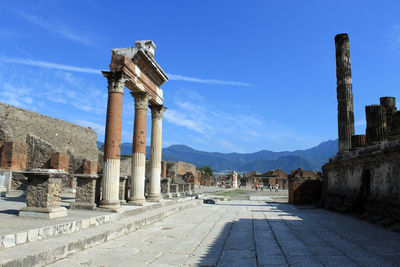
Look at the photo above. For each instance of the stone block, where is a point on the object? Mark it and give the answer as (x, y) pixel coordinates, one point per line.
(21, 238)
(8, 241)
(33, 235)
(86, 185)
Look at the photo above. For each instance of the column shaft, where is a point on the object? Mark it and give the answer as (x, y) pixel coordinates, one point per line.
(344, 92)
(139, 149)
(155, 153)
(112, 144)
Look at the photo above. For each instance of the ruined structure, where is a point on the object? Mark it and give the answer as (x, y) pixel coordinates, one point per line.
(304, 186)
(136, 69)
(271, 177)
(31, 140)
(364, 176)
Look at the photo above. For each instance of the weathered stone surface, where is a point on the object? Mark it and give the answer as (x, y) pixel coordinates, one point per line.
(86, 188)
(358, 141)
(376, 131)
(344, 92)
(13, 155)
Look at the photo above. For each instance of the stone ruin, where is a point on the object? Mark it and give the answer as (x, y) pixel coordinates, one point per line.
(364, 175)
(31, 140)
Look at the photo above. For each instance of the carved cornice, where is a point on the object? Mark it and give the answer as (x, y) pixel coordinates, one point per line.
(141, 99)
(116, 81)
(157, 111)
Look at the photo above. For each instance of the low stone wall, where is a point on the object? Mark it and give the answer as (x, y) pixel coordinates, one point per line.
(365, 181)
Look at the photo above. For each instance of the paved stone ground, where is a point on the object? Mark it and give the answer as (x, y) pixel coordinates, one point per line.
(248, 233)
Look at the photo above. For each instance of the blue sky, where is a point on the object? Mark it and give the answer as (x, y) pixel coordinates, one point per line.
(244, 75)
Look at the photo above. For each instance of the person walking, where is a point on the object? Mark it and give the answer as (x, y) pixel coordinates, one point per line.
(276, 187)
(270, 187)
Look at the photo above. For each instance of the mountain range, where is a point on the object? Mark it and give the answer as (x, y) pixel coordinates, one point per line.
(261, 161)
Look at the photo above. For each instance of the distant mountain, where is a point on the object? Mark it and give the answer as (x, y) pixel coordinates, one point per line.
(260, 161)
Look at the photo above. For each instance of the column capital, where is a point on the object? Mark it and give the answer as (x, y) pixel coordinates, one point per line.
(116, 81)
(141, 99)
(157, 111)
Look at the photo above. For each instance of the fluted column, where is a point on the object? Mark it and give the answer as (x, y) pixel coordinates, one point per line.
(376, 130)
(155, 153)
(139, 149)
(344, 92)
(112, 143)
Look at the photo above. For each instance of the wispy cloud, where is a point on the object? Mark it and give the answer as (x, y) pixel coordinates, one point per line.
(49, 65)
(58, 28)
(177, 77)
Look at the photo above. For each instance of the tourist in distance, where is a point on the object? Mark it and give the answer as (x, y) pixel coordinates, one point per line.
(276, 187)
(270, 187)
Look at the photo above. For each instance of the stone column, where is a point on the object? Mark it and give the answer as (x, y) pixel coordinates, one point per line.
(155, 153)
(389, 103)
(357, 141)
(376, 131)
(344, 92)
(112, 144)
(396, 126)
(139, 150)
(163, 169)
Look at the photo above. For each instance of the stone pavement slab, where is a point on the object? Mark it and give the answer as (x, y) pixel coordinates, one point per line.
(249, 233)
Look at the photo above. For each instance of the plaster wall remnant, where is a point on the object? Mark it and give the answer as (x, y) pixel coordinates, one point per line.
(344, 92)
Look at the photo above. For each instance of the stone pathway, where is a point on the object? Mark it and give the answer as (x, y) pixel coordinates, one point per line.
(248, 233)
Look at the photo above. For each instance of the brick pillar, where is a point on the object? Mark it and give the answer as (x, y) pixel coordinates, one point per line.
(344, 92)
(163, 169)
(376, 131)
(112, 143)
(89, 167)
(155, 153)
(139, 150)
(13, 156)
(59, 161)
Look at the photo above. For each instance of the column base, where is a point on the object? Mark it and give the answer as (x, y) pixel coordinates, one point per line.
(43, 213)
(154, 198)
(110, 205)
(136, 202)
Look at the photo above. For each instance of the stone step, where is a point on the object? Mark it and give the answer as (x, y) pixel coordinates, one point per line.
(53, 249)
(11, 239)
(16, 193)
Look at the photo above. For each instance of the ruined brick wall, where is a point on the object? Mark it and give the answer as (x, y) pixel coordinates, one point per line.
(366, 181)
(45, 136)
(304, 191)
(13, 156)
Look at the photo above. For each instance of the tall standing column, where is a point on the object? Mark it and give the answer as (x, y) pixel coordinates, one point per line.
(112, 143)
(344, 92)
(139, 149)
(155, 153)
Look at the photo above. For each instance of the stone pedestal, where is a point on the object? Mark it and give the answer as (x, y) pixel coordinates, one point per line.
(181, 188)
(192, 188)
(173, 188)
(186, 188)
(122, 189)
(165, 187)
(85, 191)
(43, 197)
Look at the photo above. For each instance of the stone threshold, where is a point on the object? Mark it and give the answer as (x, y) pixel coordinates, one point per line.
(54, 249)
(10, 240)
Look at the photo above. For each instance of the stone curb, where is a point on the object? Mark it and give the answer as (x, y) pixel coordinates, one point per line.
(51, 250)
(10, 240)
